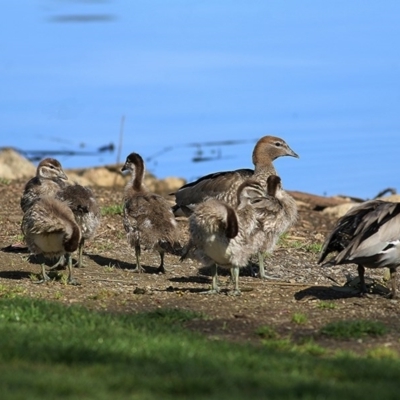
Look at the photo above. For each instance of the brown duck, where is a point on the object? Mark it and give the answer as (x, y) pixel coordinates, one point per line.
(224, 185)
(148, 219)
(368, 235)
(50, 229)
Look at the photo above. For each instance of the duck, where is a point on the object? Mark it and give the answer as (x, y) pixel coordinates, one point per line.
(50, 229)
(226, 236)
(368, 235)
(82, 201)
(276, 219)
(147, 217)
(49, 179)
(224, 185)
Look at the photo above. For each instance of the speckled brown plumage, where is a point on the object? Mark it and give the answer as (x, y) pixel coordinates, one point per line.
(224, 185)
(49, 179)
(148, 219)
(82, 202)
(50, 229)
(227, 236)
(277, 218)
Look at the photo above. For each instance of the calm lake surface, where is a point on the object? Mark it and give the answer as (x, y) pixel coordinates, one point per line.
(199, 82)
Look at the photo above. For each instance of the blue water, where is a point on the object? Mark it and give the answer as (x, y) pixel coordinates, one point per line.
(325, 76)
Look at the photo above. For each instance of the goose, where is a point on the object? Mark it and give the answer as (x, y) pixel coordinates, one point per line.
(224, 185)
(226, 236)
(49, 228)
(147, 217)
(50, 178)
(368, 235)
(83, 204)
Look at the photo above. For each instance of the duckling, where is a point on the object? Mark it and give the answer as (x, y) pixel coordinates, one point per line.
(148, 219)
(226, 236)
(224, 185)
(50, 178)
(83, 204)
(277, 218)
(367, 235)
(50, 229)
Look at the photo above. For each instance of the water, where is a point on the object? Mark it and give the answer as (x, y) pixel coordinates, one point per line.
(323, 76)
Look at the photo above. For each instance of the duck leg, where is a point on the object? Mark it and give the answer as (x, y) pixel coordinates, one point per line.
(235, 275)
(393, 293)
(44, 275)
(70, 279)
(138, 267)
(361, 275)
(261, 265)
(79, 263)
(214, 284)
(59, 263)
(161, 269)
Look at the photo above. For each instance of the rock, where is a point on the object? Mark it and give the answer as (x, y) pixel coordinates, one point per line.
(102, 176)
(14, 166)
(395, 198)
(340, 210)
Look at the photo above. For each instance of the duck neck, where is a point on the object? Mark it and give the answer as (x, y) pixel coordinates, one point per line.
(137, 178)
(264, 169)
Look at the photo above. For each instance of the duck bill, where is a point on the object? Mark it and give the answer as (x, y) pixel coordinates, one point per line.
(291, 153)
(63, 176)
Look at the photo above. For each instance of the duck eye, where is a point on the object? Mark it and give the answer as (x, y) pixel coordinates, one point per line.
(278, 144)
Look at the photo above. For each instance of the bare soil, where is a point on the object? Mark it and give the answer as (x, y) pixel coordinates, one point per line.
(297, 284)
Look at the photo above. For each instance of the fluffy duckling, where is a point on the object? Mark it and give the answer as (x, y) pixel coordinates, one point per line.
(368, 235)
(226, 236)
(83, 204)
(277, 218)
(148, 219)
(224, 185)
(50, 229)
(50, 178)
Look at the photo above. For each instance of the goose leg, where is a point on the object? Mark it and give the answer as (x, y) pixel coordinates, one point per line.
(214, 284)
(161, 269)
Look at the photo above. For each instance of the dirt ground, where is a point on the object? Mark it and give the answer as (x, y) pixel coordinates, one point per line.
(298, 288)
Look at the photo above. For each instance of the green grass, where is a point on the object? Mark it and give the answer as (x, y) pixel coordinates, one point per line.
(115, 209)
(51, 351)
(286, 241)
(326, 305)
(5, 181)
(299, 318)
(354, 329)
